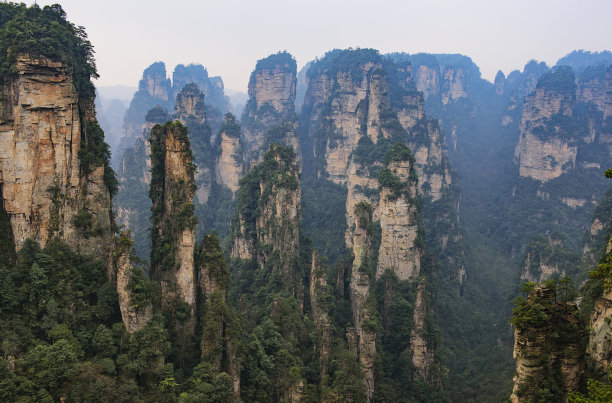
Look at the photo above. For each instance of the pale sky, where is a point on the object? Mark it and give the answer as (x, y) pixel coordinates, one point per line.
(229, 36)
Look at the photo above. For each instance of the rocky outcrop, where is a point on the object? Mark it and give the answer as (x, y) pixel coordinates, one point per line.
(399, 249)
(517, 86)
(596, 87)
(546, 257)
(228, 166)
(173, 232)
(212, 87)
(52, 179)
(599, 346)
(270, 234)
(318, 294)
(547, 148)
(269, 116)
(191, 111)
(153, 89)
(135, 312)
(363, 315)
(422, 352)
(548, 346)
(221, 328)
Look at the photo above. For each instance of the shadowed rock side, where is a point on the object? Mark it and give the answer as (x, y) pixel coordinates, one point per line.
(271, 236)
(319, 295)
(221, 327)
(269, 116)
(136, 309)
(549, 346)
(173, 231)
(52, 161)
(228, 166)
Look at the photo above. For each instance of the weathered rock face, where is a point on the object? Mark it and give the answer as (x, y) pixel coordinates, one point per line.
(221, 329)
(545, 150)
(228, 166)
(597, 88)
(134, 316)
(517, 86)
(190, 104)
(547, 257)
(191, 111)
(320, 317)
(422, 353)
(272, 235)
(444, 76)
(363, 317)
(173, 232)
(538, 353)
(45, 189)
(399, 250)
(357, 109)
(269, 116)
(153, 89)
(212, 87)
(599, 346)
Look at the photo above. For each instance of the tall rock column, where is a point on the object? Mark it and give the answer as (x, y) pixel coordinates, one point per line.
(173, 232)
(546, 149)
(399, 249)
(269, 116)
(268, 218)
(54, 172)
(228, 166)
(221, 328)
(548, 346)
(364, 314)
(318, 294)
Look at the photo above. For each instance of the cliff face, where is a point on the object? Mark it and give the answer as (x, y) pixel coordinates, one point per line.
(173, 232)
(318, 293)
(548, 347)
(191, 111)
(399, 250)
(47, 189)
(544, 150)
(135, 312)
(153, 89)
(547, 257)
(221, 327)
(363, 315)
(269, 116)
(272, 235)
(212, 87)
(228, 166)
(599, 346)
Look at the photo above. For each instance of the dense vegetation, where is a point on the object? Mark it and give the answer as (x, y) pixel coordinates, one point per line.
(46, 32)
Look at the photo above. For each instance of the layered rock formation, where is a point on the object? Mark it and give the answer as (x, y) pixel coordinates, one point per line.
(269, 116)
(191, 111)
(173, 232)
(135, 311)
(399, 250)
(54, 175)
(548, 347)
(319, 292)
(599, 346)
(271, 236)
(228, 166)
(546, 257)
(363, 315)
(221, 328)
(545, 149)
(153, 89)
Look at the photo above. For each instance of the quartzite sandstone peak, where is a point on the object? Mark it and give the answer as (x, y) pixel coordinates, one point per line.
(46, 190)
(269, 116)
